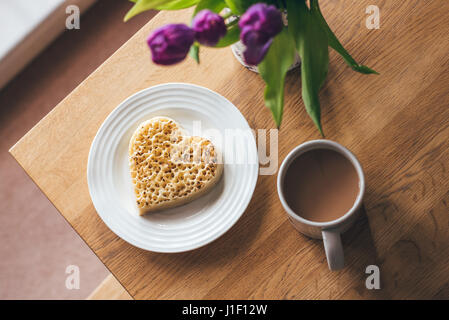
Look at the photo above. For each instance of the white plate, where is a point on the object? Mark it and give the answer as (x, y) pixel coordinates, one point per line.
(197, 223)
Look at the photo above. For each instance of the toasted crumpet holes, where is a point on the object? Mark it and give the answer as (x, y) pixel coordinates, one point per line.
(166, 166)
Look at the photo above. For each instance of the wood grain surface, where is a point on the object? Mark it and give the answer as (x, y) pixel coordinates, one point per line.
(110, 289)
(397, 124)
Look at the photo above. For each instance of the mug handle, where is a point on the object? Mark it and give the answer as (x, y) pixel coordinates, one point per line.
(334, 249)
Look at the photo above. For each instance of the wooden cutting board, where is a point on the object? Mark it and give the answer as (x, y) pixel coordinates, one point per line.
(397, 124)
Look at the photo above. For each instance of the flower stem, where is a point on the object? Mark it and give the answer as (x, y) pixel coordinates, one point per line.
(233, 22)
(228, 14)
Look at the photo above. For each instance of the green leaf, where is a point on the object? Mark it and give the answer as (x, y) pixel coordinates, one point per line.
(240, 6)
(178, 5)
(195, 52)
(232, 36)
(312, 46)
(144, 5)
(335, 44)
(213, 5)
(273, 70)
(235, 6)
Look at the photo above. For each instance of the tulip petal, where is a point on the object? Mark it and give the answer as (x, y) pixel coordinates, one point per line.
(170, 44)
(209, 27)
(254, 54)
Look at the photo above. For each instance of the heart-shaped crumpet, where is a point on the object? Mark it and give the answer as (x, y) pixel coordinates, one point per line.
(169, 168)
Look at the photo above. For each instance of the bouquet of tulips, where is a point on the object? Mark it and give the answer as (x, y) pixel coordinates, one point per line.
(269, 43)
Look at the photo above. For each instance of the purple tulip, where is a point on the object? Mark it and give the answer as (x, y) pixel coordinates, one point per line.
(255, 50)
(209, 27)
(170, 44)
(259, 25)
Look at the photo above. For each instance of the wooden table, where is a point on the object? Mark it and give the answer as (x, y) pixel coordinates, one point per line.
(396, 123)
